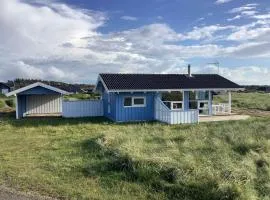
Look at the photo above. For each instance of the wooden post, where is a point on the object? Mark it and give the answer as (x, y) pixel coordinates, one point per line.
(210, 103)
(230, 102)
(17, 108)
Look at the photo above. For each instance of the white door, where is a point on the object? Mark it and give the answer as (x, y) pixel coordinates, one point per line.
(43, 104)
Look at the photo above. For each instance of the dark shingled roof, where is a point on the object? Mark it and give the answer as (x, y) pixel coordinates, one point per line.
(166, 81)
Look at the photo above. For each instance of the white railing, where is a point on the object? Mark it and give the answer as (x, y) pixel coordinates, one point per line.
(82, 108)
(221, 109)
(164, 114)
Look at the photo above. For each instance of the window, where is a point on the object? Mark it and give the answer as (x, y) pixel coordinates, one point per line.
(177, 105)
(203, 107)
(138, 101)
(134, 102)
(128, 101)
(173, 100)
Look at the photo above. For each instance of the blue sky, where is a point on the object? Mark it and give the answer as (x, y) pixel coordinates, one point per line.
(73, 41)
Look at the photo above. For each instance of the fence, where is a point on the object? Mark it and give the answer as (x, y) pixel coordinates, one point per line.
(83, 108)
(221, 109)
(164, 114)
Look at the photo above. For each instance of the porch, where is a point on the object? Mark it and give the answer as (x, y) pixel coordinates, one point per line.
(190, 106)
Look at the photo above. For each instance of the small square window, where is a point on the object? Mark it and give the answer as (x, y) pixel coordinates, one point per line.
(127, 101)
(177, 106)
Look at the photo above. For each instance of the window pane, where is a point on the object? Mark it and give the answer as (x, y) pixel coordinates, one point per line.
(203, 95)
(128, 101)
(204, 105)
(138, 101)
(204, 112)
(193, 105)
(177, 105)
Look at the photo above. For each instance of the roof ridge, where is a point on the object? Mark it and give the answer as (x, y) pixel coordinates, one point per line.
(156, 74)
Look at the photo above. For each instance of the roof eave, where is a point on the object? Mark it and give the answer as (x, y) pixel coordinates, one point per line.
(172, 90)
(103, 83)
(15, 92)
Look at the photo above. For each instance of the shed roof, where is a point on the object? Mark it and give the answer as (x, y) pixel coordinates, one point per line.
(125, 82)
(37, 84)
(4, 84)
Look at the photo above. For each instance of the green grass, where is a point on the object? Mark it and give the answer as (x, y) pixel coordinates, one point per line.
(256, 100)
(96, 159)
(6, 102)
(81, 96)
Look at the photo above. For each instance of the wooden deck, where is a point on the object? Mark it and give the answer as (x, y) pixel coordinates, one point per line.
(44, 115)
(217, 118)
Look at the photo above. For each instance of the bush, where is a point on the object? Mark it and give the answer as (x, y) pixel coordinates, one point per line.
(10, 103)
(2, 104)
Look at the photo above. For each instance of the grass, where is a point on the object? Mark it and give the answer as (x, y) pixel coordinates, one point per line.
(254, 100)
(80, 96)
(6, 102)
(97, 159)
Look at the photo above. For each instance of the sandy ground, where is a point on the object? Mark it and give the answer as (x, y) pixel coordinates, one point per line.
(11, 194)
(217, 118)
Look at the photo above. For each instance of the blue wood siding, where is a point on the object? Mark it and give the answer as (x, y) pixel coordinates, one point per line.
(109, 100)
(38, 90)
(128, 114)
(21, 105)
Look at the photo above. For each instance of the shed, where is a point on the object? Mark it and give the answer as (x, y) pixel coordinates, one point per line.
(4, 88)
(38, 99)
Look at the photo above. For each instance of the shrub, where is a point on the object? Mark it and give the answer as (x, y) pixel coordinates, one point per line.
(2, 104)
(10, 103)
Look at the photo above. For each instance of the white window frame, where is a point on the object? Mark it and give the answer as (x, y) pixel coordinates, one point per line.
(173, 102)
(132, 101)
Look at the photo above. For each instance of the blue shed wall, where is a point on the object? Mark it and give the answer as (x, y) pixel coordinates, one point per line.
(127, 114)
(21, 99)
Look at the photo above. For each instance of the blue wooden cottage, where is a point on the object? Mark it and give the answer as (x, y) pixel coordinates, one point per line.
(169, 98)
(147, 97)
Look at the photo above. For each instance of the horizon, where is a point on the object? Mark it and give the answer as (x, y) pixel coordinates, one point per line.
(73, 41)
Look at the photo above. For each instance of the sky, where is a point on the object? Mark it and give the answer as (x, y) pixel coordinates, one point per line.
(75, 40)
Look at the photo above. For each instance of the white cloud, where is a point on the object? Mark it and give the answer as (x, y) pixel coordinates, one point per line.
(255, 74)
(222, 1)
(129, 18)
(264, 16)
(244, 8)
(234, 18)
(56, 41)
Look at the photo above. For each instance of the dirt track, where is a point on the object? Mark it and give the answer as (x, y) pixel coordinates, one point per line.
(10, 194)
